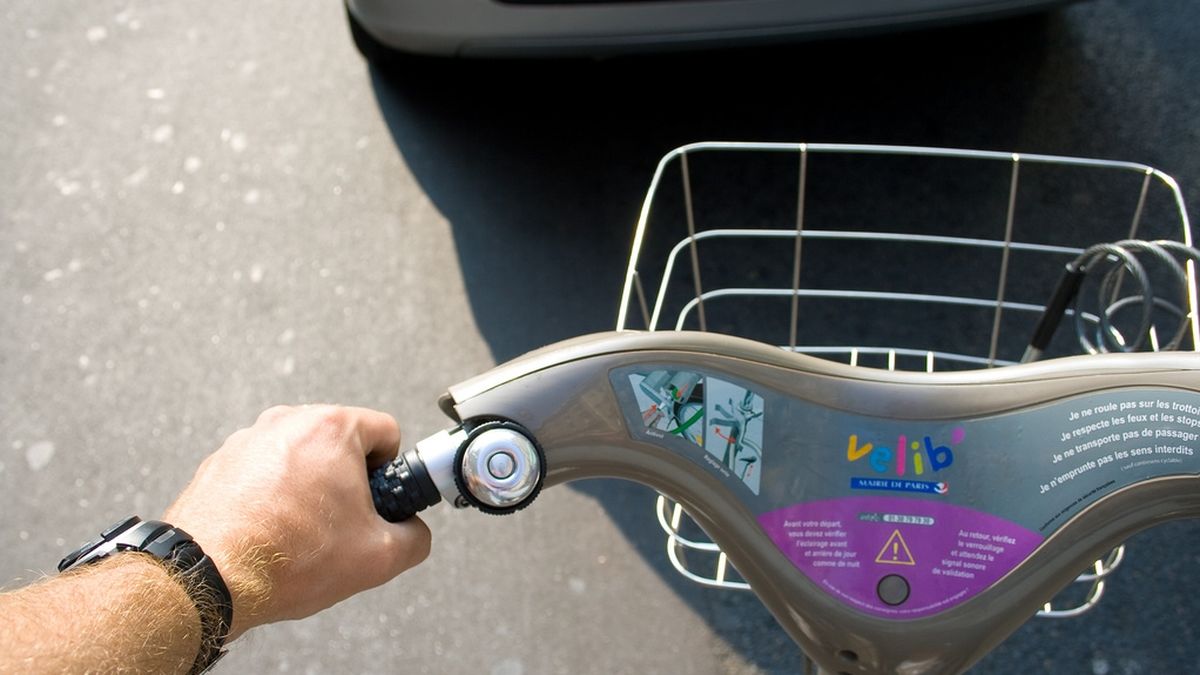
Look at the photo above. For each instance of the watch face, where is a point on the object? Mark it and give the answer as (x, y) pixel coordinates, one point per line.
(77, 553)
(112, 531)
(119, 527)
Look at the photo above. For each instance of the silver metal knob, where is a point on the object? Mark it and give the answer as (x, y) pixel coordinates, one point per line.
(501, 465)
(500, 468)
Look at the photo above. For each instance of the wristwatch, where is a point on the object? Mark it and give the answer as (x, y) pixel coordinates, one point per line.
(191, 567)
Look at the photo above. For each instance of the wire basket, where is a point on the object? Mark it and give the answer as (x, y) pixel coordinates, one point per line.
(905, 258)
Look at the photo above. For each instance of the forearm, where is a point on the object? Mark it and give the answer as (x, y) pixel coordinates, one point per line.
(124, 614)
(283, 510)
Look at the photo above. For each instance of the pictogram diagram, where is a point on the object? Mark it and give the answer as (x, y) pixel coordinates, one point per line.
(719, 416)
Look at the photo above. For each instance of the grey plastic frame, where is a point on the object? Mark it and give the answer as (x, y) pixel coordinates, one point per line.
(564, 396)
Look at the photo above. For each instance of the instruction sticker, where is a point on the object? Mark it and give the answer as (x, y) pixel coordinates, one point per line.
(1102, 440)
(905, 518)
(722, 417)
(898, 558)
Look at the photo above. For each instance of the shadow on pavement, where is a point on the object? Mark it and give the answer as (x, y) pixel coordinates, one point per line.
(541, 167)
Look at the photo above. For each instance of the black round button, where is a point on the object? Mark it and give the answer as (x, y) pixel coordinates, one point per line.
(893, 589)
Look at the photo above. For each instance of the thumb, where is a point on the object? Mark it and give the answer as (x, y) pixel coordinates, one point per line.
(404, 545)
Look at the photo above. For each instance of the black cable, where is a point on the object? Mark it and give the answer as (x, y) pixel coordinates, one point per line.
(1115, 261)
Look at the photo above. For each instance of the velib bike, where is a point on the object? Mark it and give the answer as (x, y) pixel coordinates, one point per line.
(904, 395)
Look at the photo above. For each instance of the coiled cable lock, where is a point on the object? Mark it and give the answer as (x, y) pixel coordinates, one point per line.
(1096, 332)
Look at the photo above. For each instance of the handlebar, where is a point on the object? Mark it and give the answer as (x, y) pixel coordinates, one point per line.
(402, 488)
(892, 522)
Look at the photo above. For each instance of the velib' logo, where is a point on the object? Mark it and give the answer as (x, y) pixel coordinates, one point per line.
(907, 457)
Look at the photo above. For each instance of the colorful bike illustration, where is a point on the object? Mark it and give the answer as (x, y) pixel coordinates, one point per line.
(739, 448)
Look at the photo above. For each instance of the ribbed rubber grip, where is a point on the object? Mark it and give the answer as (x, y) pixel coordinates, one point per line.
(403, 488)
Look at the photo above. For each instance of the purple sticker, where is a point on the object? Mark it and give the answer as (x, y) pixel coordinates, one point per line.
(898, 558)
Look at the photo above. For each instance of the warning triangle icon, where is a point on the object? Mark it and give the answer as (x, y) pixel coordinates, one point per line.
(895, 551)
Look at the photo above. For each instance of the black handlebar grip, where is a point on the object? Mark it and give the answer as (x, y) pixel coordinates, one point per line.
(403, 488)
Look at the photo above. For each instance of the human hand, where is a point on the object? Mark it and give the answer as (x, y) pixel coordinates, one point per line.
(284, 510)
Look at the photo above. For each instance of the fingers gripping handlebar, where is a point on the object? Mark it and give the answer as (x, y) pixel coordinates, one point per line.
(882, 514)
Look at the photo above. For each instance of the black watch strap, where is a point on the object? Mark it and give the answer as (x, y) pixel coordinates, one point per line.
(184, 557)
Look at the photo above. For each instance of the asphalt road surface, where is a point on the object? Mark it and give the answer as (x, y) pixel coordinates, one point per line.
(209, 208)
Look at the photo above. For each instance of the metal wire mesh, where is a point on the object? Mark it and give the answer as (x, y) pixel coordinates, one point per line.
(904, 258)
